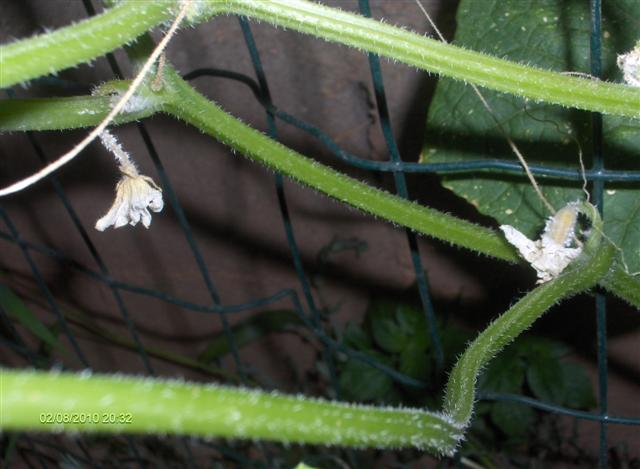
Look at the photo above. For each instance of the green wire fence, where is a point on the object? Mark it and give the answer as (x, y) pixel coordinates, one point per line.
(39, 448)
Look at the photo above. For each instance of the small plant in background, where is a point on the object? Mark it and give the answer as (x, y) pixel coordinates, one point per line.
(503, 430)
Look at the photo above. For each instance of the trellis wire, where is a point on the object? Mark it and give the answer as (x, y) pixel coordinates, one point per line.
(310, 315)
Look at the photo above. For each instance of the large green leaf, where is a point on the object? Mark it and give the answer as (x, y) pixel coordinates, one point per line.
(552, 34)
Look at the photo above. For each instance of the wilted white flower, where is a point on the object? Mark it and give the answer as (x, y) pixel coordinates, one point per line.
(629, 63)
(552, 253)
(135, 194)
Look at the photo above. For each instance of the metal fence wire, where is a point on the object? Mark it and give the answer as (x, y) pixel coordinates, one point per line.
(37, 450)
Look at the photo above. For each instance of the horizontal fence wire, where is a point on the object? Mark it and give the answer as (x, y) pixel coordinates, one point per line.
(308, 312)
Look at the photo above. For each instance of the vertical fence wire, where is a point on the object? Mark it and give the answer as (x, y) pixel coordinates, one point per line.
(401, 188)
(597, 174)
(598, 165)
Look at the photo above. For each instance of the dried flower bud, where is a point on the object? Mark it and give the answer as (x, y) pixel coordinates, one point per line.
(135, 196)
(552, 253)
(629, 63)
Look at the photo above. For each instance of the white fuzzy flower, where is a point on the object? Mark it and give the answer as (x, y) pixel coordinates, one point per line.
(629, 63)
(552, 253)
(135, 194)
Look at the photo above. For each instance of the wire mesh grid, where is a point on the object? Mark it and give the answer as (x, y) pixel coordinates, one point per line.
(38, 448)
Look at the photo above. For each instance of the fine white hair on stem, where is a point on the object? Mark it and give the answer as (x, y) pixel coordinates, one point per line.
(111, 143)
(487, 106)
(135, 84)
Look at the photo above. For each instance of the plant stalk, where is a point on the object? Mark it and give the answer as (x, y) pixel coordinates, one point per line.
(582, 274)
(185, 103)
(53, 402)
(49, 53)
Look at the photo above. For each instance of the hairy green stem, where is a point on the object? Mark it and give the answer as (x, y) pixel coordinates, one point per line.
(186, 103)
(30, 58)
(581, 275)
(81, 42)
(117, 404)
(182, 101)
(624, 285)
(77, 112)
(64, 113)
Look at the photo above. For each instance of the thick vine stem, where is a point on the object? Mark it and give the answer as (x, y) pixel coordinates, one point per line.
(187, 104)
(30, 58)
(69, 112)
(179, 99)
(52, 402)
(81, 42)
(78, 112)
(585, 272)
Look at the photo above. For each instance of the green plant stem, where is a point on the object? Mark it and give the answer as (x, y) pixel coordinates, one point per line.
(81, 42)
(181, 100)
(62, 113)
(444, 59)
(187, 104)
(581, 275)
(33, 57)
(623, 285)
(77, 112)
(135, 405)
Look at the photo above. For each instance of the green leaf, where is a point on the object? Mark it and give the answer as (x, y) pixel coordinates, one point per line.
(577, 385)
(415, 362)
(18, 311)
(552, 34)
(362, 382)
(545, 378)
(512, 418)
(414, 325)
(505, 374)
(353, 336)
(539, 348)
(387, 332)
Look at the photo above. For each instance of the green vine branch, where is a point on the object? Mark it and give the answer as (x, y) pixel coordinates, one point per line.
(65, 113)
(593, 264)
(118, 404)
(40, 401)
(185, 103)
(623, 285)
(181, 100)
(30, 58)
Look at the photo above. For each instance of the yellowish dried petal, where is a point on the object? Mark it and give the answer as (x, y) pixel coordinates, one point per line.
(135, 196)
